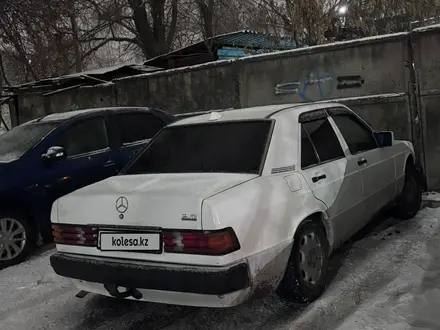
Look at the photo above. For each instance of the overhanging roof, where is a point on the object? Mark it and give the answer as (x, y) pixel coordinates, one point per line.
(85, 78)
(241, 39)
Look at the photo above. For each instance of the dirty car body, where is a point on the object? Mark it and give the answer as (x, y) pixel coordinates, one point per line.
(214, 210)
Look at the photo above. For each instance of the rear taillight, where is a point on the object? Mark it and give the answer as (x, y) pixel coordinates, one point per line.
(75, 235)
(201, 242)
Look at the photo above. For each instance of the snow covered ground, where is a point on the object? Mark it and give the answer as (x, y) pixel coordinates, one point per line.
(388, 277)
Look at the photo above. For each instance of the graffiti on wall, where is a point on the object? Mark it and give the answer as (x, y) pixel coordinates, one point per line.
(345, 82)
(287, 88)
(319, 85)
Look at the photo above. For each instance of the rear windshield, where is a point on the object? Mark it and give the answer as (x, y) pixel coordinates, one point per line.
(14, 143)
(227, 147)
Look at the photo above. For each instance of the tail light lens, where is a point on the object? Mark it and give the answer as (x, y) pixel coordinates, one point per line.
(219, 242)
(75, 235)
(201, 242)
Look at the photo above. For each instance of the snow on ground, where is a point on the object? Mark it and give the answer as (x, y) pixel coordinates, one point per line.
(387, 277)
(412, 299)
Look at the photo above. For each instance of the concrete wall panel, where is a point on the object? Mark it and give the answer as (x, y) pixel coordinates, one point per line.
(179, 91)
(326, 72)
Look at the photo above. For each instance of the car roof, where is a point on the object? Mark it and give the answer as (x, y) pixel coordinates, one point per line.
(259, 112)
(62, 116)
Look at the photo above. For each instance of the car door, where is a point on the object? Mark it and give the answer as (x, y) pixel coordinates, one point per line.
(376, 164)
(135, 129)
(89, 158)
(333, 177)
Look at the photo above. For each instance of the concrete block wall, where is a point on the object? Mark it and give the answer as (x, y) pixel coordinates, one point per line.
(81, 98)
(28, 107)
(426, 47)
(190, 89)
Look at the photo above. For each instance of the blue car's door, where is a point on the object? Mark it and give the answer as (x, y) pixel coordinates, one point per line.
(89, 159)
(135, 130)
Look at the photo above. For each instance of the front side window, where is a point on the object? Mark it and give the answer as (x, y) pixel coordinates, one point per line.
(358, 137)
(84, 137)
(226, 147)
(324, 139)
(136, 127)
(14, 143)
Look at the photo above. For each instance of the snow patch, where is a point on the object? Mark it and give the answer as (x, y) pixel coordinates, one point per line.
(319, 48)
(176, 70)
(106, 84)
(197, 113)
(431, 196)
(407, 301)
(367, 97)
(427, 28)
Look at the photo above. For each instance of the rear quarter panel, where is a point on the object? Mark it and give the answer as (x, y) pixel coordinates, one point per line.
(263, 212)
(402, 150)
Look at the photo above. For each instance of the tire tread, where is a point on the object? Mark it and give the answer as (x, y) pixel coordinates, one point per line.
(291, 288)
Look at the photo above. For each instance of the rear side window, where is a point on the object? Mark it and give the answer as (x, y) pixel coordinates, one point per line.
(324, 139)
(308, 154)
(84, 137)
(359, 138)
(135, 127)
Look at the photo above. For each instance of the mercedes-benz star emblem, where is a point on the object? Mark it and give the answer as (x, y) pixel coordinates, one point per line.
(121, 204)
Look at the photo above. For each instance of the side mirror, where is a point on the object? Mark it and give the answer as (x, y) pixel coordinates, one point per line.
(54, 153)
(384, 139)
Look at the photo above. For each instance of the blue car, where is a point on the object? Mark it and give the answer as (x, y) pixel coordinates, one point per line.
(54, 155)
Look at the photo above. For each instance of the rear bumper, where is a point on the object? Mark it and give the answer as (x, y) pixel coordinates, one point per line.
(200, 280)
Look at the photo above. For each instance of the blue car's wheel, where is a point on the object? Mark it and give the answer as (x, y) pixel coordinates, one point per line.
(17, 238)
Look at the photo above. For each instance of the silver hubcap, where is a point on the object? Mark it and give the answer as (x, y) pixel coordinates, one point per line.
(310, 258)
(12, 238)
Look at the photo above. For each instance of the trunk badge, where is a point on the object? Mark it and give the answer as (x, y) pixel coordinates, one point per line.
(189, 217)
(121, 206)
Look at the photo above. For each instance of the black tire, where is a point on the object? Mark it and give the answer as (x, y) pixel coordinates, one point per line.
(294, 287)
(29, 242)
(410, 199)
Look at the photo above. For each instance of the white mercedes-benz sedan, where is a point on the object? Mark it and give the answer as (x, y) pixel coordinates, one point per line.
(231, 205)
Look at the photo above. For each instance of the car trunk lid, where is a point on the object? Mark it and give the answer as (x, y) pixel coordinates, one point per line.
(154, 200)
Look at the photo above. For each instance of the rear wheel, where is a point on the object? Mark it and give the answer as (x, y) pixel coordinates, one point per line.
(17, 238)
(410, 199)
(306, 273)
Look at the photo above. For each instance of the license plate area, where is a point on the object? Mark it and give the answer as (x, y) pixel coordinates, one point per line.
(130, 241)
